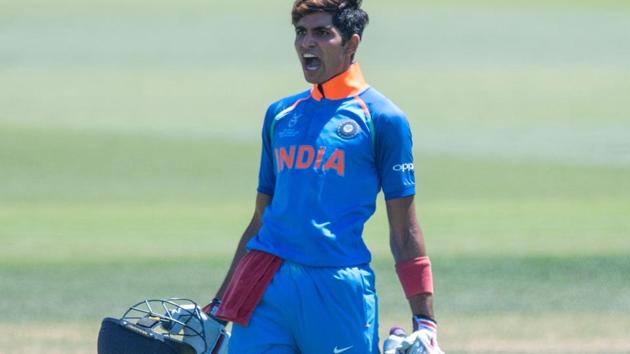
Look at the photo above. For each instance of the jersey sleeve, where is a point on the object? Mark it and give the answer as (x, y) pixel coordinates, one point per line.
(394, 156)
(266, 174)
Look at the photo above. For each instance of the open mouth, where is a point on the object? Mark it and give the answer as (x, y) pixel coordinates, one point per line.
(311, 62)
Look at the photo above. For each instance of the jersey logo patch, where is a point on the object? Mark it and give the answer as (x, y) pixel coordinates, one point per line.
(403, 167)
(293, 121)
(348, 129)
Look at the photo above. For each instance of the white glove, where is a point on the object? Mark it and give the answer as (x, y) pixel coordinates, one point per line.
(391, 345)
(423, 340)
(216, 336)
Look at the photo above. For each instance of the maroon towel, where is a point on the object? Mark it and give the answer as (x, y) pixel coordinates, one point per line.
(247, 286)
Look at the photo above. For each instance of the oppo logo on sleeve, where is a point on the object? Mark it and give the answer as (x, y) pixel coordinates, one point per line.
(403, 167)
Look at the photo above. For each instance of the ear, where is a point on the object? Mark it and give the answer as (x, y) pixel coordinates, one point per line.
(353, 44)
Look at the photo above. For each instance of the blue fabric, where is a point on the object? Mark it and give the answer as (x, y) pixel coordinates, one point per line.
(313, 310)
(324, 162)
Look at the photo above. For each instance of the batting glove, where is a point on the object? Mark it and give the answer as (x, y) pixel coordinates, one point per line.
(424, 338)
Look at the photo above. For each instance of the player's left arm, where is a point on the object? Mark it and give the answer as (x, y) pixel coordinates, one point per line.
(414, 271)
(394, 162)
(407, 244)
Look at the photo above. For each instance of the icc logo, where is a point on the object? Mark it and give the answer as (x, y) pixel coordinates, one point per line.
(293, 121)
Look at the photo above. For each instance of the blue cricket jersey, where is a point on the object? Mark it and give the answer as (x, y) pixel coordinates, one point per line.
(326, 153)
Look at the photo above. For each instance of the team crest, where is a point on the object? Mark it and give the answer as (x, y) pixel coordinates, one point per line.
(348, 129)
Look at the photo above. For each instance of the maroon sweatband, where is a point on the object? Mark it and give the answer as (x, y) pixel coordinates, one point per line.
(415, 276)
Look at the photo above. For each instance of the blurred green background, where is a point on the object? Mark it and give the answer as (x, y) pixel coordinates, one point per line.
(129, 147)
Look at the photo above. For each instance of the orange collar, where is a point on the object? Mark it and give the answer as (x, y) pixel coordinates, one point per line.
(348, 83)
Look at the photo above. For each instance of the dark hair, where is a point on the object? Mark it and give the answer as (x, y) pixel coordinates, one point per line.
(347, 15)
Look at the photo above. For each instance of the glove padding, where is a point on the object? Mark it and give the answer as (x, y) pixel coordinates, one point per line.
(422, 341)
(216, 336)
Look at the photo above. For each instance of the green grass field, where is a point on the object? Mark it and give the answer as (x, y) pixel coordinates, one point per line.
(129, 151)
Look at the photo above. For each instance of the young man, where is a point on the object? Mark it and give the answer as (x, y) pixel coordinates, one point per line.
(300, 280)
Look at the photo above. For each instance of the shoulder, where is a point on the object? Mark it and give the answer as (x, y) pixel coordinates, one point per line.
(382, 109)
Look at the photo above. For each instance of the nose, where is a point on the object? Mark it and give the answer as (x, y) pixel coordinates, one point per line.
(307, 41)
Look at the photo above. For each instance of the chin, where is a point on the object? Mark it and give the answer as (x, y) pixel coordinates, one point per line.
(312, 78)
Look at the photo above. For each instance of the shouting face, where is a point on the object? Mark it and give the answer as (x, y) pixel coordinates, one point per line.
(322, 51)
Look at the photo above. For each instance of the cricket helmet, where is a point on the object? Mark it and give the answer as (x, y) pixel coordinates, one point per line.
(162, 326)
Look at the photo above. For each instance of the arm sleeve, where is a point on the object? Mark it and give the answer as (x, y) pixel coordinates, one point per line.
(266, 174)
(394, 157)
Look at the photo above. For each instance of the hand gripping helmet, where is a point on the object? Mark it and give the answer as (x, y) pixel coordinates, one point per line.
(166, 326)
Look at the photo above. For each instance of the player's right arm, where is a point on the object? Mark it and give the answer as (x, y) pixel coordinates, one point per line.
(262, 200)
(266, 186)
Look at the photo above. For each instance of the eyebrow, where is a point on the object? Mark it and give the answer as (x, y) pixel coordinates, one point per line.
(315, 28)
